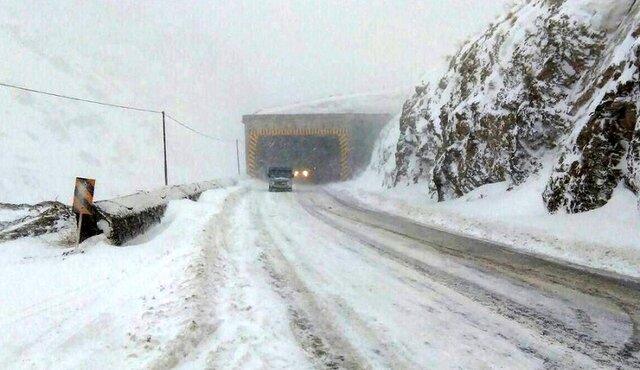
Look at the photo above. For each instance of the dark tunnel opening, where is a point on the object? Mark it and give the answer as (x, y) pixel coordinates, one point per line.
(320, 155)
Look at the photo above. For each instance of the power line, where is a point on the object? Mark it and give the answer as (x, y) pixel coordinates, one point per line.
(164, 132)
(198, 132)
(114, 106)
(78, 99)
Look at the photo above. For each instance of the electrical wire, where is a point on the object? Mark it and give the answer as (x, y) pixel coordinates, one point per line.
(115, 106)
(78, 99)
(198, 132)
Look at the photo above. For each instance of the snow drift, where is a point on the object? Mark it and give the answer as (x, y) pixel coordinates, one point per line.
(124, 218)
(553, 81)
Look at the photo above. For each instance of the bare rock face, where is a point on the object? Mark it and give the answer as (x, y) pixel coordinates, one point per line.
(553, 79)
(633, 162)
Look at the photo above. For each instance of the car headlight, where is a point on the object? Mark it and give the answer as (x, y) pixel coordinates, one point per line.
(296, 173)
(305, 173)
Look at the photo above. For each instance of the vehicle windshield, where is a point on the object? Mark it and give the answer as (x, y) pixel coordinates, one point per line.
(280, 172)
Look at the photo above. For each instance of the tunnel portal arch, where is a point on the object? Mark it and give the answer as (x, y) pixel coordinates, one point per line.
(341, 135)
(355, 134)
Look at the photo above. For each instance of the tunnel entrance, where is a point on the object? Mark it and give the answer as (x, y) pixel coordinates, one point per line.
(318, 154)
(355, 134)
(326, 149)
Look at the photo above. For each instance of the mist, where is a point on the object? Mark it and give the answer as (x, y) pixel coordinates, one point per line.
(211, 61)
(206, 63)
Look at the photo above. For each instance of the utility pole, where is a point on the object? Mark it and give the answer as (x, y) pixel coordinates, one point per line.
(238, 156)
(164, 140)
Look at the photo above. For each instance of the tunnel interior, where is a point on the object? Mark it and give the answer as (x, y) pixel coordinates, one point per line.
(320, 155)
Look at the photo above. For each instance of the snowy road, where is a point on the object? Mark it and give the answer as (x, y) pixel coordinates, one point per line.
(311, 280)
(247, 279)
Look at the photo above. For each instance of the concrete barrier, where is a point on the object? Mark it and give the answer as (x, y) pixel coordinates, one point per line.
(122, 219)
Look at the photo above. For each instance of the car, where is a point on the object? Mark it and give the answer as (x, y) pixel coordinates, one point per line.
(280, 178)
(303, 174)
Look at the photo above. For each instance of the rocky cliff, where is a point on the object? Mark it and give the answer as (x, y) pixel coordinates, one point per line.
(554, 82)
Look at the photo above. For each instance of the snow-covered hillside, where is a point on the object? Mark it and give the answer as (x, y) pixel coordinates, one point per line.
(551, 83)
(205, 63)
(378, 102)
(45, 141)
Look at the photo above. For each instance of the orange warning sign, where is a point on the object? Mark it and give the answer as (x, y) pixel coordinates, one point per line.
(83, 196)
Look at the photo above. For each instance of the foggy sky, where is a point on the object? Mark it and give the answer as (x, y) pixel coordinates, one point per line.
(212, 61)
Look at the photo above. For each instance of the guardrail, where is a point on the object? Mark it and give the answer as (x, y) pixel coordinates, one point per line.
(122, 219)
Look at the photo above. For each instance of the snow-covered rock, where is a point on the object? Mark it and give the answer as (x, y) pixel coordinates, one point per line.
(592, 163)
(551, 79)
(22, 220)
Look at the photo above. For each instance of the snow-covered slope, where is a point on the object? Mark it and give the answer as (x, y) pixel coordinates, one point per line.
(45, 141)
(550, 82)
(378, 102)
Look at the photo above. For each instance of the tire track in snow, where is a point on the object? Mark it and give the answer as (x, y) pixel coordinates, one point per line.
(369, 336)
(202, 325)
(252, 326)
(383, 342)
(318, 337)
(549, 328)
(541, 272)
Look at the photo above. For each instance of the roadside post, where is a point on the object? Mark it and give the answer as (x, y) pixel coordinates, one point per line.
(83, 200)
(238, 157)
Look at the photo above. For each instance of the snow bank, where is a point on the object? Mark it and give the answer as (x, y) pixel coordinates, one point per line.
(124, 218)
(136, 307)
(607, 238)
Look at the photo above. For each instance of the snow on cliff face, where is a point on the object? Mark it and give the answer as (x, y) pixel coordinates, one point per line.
(551, 79)
(603, 148)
